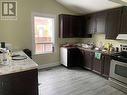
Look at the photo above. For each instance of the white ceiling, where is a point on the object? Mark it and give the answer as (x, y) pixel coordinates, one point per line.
(88, 6)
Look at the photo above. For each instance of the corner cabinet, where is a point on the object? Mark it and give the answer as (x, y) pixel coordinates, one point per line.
(20, 83)
(71, 26)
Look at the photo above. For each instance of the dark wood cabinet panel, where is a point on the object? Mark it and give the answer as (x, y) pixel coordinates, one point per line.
(72, 26)
(87, 59)
(95, 23)
(97, 65)
(76, 26)
(113, 23)
(100, 20)
(21, 83)
(124, 21)
(69, 26)
(116, 22)
(100, 66)
(90, 23)
(64, 26)
(106, 65)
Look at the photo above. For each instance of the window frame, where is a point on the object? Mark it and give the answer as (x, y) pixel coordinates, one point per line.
(33, 32)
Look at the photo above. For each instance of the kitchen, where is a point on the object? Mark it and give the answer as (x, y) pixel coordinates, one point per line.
(19, 32)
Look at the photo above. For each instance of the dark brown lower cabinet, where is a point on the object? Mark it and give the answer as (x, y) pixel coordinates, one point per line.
(87, 59)
(102, 66)
(97, 65)
(106, 66)
(21, 83)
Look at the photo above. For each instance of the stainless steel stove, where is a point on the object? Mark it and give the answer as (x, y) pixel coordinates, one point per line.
(118, 69)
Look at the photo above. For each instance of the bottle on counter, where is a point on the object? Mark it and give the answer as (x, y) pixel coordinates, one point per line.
(117, 49)
(5, 56)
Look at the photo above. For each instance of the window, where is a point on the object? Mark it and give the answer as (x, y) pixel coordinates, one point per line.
(43, 34)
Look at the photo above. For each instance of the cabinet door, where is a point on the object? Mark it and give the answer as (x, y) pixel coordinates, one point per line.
(101, 19)
(22, 83)
(71, 26)
(97, 65)
(106, 66)
(65, 31)
(84, 33)
(90, 24)
(113, 23)
(87, 59)
(124, 21)
(76, 26)
(1, 85)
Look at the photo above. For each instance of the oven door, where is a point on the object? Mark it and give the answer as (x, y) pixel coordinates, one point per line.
(118, 71)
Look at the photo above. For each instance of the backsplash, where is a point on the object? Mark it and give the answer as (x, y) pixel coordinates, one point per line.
(97, 38)
(69, 40)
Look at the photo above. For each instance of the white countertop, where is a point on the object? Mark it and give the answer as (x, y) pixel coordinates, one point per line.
(18, 65)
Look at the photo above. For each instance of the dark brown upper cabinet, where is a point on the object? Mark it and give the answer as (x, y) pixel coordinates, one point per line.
(113, 22)
(76, 26)
(90, 23)
(64, 26)
(95, 23)
(124, 21)
(100, 22)
(72, 26)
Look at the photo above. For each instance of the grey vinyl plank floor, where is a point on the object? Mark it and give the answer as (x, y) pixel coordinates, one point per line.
(62, 81)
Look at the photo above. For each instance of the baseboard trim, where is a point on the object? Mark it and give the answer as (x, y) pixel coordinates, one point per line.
(48, 65)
